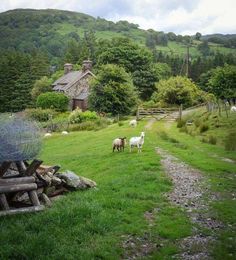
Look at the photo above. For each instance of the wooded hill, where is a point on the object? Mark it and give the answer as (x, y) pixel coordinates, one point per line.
(37, 43)
(50, 30)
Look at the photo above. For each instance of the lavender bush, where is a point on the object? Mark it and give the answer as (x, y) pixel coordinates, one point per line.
(20, 139)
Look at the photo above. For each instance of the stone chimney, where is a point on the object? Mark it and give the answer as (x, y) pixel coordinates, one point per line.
(87, 65)
(68, 67)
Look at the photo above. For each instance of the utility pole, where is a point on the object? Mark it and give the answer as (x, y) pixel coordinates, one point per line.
(187, 62)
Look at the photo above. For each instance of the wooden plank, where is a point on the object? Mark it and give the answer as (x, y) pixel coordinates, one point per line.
(33, 167)
(18, 187)
(3, 202)
(21, 167)
(34, 197)
(20, 180)
(22, 210)
(4, 167)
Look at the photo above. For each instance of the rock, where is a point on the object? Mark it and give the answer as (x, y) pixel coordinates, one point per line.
(46, 201)
(50, 190)
(56, 181)
(75, 182)
(89, 183)
(22, 197)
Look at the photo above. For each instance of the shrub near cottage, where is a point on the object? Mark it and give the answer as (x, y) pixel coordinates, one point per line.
(77, 116)
(53, 100)
(39, 114)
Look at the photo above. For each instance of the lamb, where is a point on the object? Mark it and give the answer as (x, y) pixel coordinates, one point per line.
(133, 123)
(233, 109)
(47, 135)
(119, 144)
(64, 133)
(137, 141)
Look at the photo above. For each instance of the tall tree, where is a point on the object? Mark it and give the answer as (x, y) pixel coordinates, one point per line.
(198, 36)
(112, 91)
(135, 59)
(223, 82)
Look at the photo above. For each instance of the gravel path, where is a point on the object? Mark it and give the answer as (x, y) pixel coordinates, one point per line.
(191, 193)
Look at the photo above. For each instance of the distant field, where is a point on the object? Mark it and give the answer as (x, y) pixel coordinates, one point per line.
(173, 48)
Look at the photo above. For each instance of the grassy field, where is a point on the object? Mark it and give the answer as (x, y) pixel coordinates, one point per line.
(139, 36)
(94, 224)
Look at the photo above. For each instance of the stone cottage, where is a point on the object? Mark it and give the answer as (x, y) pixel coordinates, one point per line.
(75, 84)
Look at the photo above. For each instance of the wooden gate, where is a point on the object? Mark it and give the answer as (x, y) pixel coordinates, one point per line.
(158, 113)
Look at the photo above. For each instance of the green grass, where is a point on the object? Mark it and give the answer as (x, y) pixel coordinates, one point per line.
(91, 224)
(139, 36)
(219, 126)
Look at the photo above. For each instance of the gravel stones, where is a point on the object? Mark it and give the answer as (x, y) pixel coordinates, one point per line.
(190, 194)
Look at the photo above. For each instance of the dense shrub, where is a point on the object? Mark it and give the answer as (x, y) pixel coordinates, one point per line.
(41, 115)
(53, 100)
(89, 125)
(230, 142)
(197, 122)
(212, 140)
(77, 116)
(204, 140)
(203, 128)
(184, 129)
(58, 124)
(89, 116)
(177, 90)
(180, 123)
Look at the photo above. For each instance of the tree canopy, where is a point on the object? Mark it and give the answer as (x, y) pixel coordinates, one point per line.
(175, 91)
(112, 91)
(136, 60)
(223, 82)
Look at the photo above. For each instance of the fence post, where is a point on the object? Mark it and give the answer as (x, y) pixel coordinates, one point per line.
(226, 111)
(180, 111)
(137, 114)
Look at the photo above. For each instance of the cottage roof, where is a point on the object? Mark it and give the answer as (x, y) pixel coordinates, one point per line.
(69, 79)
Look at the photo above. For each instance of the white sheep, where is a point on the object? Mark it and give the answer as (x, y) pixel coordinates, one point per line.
(233, 109)
(137, 142)
(64, 133)
(133, 123)
(47, 135)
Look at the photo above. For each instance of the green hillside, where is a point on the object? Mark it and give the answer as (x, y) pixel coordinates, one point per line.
(50, 30)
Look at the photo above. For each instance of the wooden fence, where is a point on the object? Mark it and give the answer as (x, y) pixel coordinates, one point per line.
(158, 113)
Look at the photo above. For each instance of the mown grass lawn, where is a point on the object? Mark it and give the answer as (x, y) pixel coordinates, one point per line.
(93, 224)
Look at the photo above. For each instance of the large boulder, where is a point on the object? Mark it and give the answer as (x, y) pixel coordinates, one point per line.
(75, 182)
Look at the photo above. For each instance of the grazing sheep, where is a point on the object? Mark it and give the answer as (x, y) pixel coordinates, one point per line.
(133, 123)
(119, 144)
(47, 135)
(137, 142)
(64, 133)
(233, 109)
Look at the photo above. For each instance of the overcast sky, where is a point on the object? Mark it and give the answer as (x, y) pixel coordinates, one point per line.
(179, 16)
